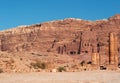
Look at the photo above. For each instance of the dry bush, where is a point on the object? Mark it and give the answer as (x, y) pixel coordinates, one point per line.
(1, 70)
(60, 69)
(82, 63)
(37, 65)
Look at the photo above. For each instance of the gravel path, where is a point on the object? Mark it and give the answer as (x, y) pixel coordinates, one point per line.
(64, 77)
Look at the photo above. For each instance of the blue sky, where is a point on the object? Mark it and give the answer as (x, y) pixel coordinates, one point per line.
(26, 12)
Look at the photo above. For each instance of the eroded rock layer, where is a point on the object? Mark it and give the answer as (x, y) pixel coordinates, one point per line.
(69, 36)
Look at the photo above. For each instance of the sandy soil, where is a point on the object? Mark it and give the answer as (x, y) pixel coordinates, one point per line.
(64, 77)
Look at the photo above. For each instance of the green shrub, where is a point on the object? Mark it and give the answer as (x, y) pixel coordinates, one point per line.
(60, 69)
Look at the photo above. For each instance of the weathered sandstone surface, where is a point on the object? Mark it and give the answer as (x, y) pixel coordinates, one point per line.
(72, 39)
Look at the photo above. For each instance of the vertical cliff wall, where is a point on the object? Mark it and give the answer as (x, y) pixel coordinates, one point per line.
(69, 36)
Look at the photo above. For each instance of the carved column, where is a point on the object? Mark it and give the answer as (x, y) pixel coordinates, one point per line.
(112, 53)
(95, 59)
(58, 50)
(80, 44)
(107, 55)
(116, 50)
(113, 49)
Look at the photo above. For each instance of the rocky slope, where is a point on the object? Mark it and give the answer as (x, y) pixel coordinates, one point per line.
(62, 37)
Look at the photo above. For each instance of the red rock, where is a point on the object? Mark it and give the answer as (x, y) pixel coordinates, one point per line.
(68, 36)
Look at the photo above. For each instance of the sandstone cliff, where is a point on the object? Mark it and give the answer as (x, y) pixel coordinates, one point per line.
(65, 37)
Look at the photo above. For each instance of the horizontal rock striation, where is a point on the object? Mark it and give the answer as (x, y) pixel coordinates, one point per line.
(69, 36)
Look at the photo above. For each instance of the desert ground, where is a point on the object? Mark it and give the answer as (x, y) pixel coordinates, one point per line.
(62, 77)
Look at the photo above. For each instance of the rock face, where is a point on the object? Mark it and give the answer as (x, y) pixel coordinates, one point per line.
(69, 36)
